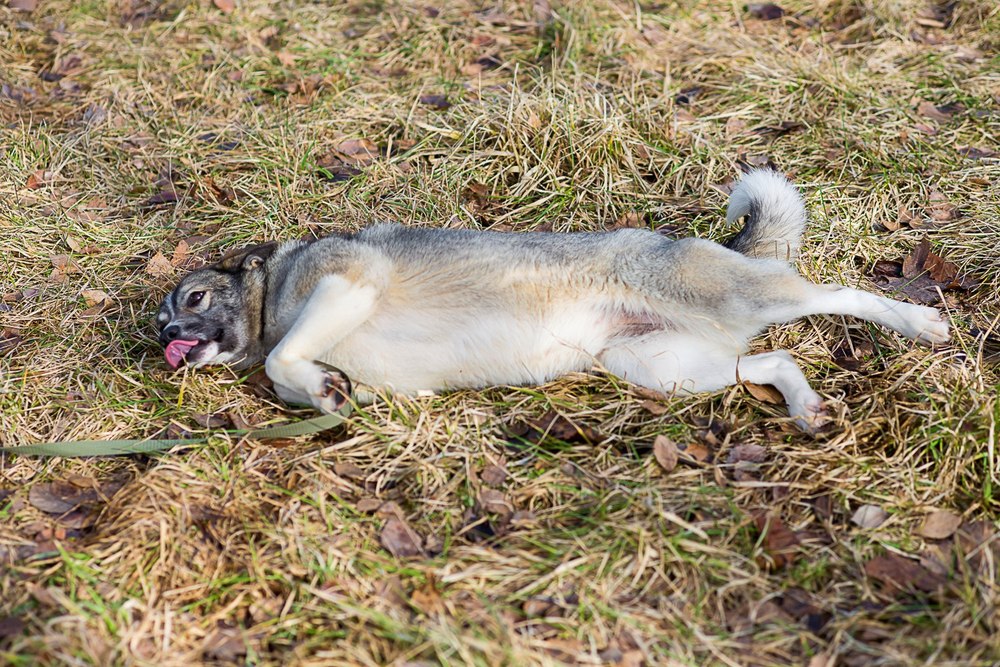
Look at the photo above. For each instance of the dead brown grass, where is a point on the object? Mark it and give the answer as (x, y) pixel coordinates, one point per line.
(587, 551)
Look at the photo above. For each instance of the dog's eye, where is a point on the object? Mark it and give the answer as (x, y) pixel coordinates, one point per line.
(194, 298)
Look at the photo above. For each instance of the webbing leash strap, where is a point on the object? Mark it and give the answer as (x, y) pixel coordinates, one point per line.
(75, 448)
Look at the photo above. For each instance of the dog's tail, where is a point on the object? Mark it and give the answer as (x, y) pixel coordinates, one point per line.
(774, 216)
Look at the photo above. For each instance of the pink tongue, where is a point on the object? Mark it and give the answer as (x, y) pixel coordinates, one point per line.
(176, 350)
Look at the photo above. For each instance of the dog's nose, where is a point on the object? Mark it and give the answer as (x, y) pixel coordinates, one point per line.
(170, 333)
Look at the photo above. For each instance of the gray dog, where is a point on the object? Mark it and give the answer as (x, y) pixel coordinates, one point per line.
(414, 309)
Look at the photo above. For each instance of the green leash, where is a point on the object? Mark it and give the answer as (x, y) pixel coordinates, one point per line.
(75, 448)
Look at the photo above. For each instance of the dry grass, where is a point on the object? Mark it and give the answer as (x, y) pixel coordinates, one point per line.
(243, 551)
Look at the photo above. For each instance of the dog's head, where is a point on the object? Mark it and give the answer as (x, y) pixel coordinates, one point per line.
(214, 315)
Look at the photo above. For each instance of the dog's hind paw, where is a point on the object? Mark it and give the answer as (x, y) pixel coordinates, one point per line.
(810, 414)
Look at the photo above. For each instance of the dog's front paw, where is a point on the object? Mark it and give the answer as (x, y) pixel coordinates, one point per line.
(305, 381)
(334, 391)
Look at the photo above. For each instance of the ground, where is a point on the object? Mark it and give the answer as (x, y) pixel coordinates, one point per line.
(584, 521)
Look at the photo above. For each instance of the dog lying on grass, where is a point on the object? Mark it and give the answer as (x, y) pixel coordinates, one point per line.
(412, 309)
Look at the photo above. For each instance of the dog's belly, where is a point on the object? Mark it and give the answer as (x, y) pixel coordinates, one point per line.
(438, 351)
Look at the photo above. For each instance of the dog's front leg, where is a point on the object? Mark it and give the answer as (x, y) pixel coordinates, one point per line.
(333, 310)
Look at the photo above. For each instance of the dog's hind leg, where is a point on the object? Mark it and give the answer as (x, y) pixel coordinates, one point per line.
(920, 323)
(333, 310)
(679, 363)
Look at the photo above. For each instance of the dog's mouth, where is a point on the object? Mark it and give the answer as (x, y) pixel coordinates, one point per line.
(179, 350)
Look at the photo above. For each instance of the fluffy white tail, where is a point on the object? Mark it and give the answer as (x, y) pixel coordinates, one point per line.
(774, 216)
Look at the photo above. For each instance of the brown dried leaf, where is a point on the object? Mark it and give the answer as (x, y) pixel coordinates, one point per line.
(65, 264)
(159, 266)
(698, 452)
(747, 453)
(665, 451)
(554, 425)
(936, 112)
(225, 644)
(977, 153)
(11, 626)
(493, 475)
(399, 539)
(427, 599)
(225, 6)
(285, 58)
(23, 5)
(349, 470)
(165, 196)
(439, 102)
(368, 505)
(94, 297)
(494, 502)
(655, 408)
(780, 543)
(357, 151)
(898, 574)
(765, 393)
(939, 525)
(765, 11)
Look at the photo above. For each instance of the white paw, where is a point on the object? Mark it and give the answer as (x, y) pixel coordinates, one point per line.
(809, 412)
(933, 326)
(309, 382)
(334, 391)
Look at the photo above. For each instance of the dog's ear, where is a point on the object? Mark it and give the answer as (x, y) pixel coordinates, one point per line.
(247, 259)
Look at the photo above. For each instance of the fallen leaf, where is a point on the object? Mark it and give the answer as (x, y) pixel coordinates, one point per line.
(780, 544)
(537, 607)
(747, 453)
(94, 297)
(941, 209)
(765, 11)
(939, 113)
(439, 102)
(23, 5)
(159, 266)
(225, 6)
(735, 126)
(349, 470)
(165, 196)
(59, 497)
(765, 393)
(11, 626)
(665, 451)
(977, 153)
(939, 525)
(781, 129)
(399, 539)
(869, 516)
(224, 644)
(368, 505)
(698, 452)
(493, 475)
(553, 425)
(494, 502)
(655, 408)
(285, 58)
(921, 274)
(10, 339)
(39, 178)
(358, 151)
(899, 574)
(427, 599)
